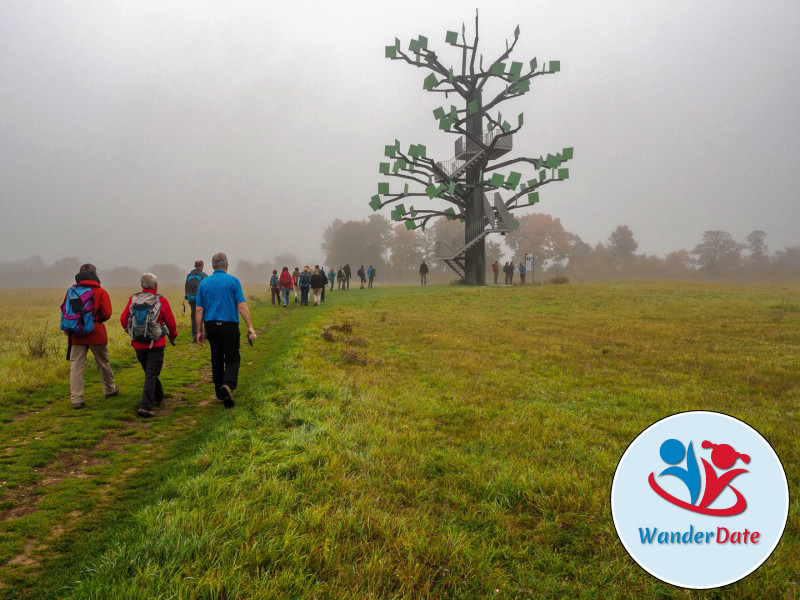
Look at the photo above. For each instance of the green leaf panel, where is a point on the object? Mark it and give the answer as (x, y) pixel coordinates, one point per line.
(431, 190)
(473, 107)
(383, 189)
(497, 180)
(375, 203)
(439, 113)
(430, 82)
(533, 198)
(410, 225)
(389, 151)
(563, 173)
(513, 180)
(499, 69)
(555, 66)
(567, 153)
(451, 37)
(391, 52)
(384, 168)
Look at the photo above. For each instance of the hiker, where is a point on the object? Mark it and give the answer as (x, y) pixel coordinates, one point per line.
(362, 275)
(347, 275)
(285, 282)
(148, 319)
(511, 273)
(318, 285)
(304, 282)
(324, 283)
(274, 287)
(522, 273)
(423, 273)
(85, 309)
(505, 271)
(496, 270)
(219, 297)
(371, 272)
(331, 277)
(340, 278)
(295, 277)
(193, 279)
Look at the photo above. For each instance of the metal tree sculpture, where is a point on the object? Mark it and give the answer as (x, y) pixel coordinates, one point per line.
(466, 180)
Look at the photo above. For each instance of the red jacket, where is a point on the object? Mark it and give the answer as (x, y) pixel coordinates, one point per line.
(285, 280)
(101, 313)
(165, 318)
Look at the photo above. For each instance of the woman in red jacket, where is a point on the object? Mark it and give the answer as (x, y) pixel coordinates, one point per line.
(148, 319)
(96, 341)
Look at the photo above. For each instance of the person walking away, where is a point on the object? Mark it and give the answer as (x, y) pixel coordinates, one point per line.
(295, 278)
(193, 279)
(340, 278)
(505, 273)
(304, 282)
(423, 273)
(496, 270)
(347, 275)
(331, 277)
(511, 273)
(522, 273)
(324, 281)
(286, 284)
(274, 287)
(371, 275)
(85, 309)
(220, 301)
(148, 319)
(317, 284)
(362, 276)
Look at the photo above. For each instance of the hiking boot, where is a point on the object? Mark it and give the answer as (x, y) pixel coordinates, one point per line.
(81, 405)
(227, 396)
(114, 393)
(144, 412)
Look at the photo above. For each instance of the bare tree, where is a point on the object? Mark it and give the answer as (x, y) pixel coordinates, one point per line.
(465, 181)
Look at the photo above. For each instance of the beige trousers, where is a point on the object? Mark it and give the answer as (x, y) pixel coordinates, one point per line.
(317, 295)
(77, 363)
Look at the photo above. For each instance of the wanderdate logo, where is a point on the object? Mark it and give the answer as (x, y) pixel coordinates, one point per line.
(699, 500)
(723, 457)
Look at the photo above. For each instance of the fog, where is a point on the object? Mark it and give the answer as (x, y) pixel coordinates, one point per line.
(159, 132)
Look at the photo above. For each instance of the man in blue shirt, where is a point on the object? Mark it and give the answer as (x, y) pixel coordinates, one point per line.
(219, 301)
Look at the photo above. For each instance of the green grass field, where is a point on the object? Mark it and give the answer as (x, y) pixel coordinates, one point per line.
(439, 442)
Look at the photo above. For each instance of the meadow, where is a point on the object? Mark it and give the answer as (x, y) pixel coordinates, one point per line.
(438, 442)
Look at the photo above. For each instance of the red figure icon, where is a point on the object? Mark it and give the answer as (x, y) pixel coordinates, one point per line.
(724, 457)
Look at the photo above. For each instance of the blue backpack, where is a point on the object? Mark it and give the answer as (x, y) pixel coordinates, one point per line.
(273, 281)
(76, 311)
(192, 281)
(305, 278)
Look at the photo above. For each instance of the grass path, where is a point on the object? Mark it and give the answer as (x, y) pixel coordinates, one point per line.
(70, 478)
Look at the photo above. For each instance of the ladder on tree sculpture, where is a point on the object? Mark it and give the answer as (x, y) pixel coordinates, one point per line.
(468, 152)
(452, 252)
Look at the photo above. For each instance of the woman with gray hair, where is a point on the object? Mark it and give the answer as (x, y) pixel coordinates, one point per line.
(148, 319)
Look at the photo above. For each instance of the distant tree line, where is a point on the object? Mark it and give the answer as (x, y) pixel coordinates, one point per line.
(397, 252)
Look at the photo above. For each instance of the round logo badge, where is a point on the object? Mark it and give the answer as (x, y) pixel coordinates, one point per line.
(699, 500)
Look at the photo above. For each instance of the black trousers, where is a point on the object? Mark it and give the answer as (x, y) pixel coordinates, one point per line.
(223, 337)
(152, 360)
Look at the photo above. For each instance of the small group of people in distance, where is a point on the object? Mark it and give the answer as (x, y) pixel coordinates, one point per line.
(508, 271)
(313, 281)
(216, 302)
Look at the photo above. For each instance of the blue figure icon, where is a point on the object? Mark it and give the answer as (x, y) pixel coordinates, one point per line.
(672, 452)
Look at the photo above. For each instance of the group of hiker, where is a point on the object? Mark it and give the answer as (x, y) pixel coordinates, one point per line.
(508, 271)
(216, 302)
(313, 281)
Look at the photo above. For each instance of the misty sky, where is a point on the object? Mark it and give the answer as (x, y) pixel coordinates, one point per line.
(133, 133)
